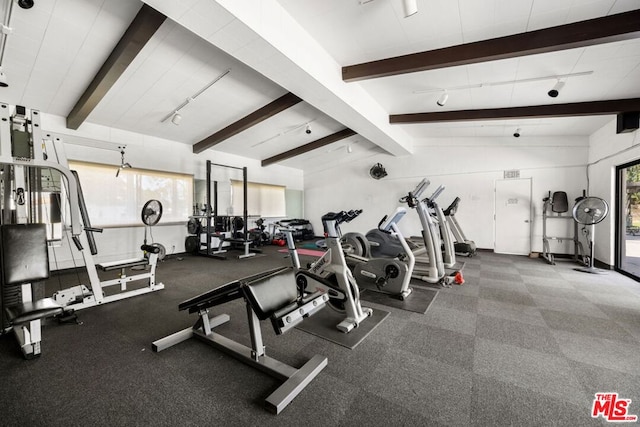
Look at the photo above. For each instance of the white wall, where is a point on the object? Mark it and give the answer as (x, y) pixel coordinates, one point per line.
(467, 167)
(147, 152)
(608, 150)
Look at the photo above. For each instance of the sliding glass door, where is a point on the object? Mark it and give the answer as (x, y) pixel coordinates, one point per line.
(628, 219)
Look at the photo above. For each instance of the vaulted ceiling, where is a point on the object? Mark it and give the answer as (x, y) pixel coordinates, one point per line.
(303, 83)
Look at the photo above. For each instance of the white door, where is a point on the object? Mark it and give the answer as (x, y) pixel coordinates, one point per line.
(513, 217)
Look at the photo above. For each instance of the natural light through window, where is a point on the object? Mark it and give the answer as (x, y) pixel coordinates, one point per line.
(117, 201)
(262, 199)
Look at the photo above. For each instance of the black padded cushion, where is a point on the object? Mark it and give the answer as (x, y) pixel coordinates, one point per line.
(220, 295)
(25, 257)
(120, 265)
(151, 249)
(28, 311)
(559, 202)
(269, 293)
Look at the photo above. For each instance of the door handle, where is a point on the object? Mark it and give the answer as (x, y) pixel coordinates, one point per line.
(526, 220)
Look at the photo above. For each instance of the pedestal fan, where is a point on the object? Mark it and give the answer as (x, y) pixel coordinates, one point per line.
(590, 211)
(151, 214)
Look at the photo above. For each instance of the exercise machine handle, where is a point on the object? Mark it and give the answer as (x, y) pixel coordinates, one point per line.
(384, 218)
(93, 229)
(352, 215)
(410, 200)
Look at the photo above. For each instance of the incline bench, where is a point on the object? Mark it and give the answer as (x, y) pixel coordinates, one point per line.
(269, 295)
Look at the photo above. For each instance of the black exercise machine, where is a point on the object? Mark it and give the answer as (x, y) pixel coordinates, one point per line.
(274, 295)
(25, 261)
(211, 229)
(557, 203)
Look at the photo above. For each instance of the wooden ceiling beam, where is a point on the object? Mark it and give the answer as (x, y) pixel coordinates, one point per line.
(622, 26)
(592, 108)
(344, 133)
(271, 109)
(139, 32)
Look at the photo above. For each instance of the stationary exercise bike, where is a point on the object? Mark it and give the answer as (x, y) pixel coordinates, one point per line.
(387, 275)
(331, 274)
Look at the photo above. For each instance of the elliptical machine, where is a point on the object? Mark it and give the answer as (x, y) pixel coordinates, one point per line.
(462, 245)
(431, 267)
(387, 275)
(386, 245)
(446, 236)
(331, 274)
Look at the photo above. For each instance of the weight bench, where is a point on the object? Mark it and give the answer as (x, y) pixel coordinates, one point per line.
(81, 296)
(25, 259)
(270, 295)
(122, 265)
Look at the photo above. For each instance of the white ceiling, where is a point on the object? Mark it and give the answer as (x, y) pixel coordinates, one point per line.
(57, 47)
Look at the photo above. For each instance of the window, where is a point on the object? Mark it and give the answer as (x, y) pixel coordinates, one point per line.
(262, 199)
(113, 202)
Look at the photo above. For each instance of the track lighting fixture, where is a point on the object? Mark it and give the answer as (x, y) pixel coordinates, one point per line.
(555, 91)
(559, 78)
(516, 134)
(410, 7)
(175, 117)
(349, 149)
(443, 99)
(308, 130)
(25, 4)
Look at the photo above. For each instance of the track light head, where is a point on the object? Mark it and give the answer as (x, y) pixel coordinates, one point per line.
(410, 7)
(308, 130)
(25, 4)
(555, 90)
(516, 134)
(176, 119)
(443, 99)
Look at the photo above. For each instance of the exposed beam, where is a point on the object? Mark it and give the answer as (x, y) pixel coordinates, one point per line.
(344, 133)
(271, 109)
(141, 29)
(593, 108)
(622, 26)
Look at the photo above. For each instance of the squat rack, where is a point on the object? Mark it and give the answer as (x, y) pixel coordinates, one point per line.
(245, 242)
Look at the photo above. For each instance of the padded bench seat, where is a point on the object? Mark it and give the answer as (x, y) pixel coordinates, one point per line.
(270, 292)
(126, 263)
(225, 293)
(33, 310)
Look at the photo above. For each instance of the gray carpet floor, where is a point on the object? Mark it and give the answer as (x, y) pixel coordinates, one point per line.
(521, 343)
